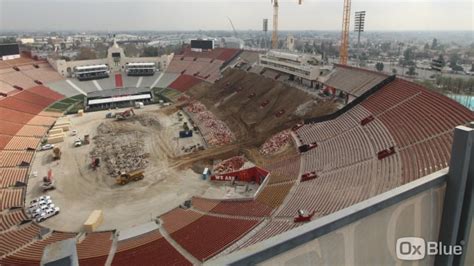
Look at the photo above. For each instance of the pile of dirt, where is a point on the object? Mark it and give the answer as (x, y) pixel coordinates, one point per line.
(255, 107)
(119, 147)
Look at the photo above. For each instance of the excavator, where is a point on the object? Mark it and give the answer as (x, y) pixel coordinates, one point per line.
(48, 182)
(125, 114)
(56, 154)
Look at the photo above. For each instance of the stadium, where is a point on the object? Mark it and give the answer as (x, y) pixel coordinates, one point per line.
(222, 156)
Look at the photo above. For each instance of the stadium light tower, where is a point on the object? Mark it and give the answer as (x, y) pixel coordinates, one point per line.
(359, 24)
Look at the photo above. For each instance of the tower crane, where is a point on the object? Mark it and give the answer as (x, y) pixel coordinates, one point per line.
(233, 28)
(275, 23)
(346, 18)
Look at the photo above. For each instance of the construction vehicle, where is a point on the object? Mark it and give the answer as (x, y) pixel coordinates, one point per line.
(86, 140)
(125, 178)
(48, 182)
(56, 153)
(95, 163)
(185, 126)
(125, 114)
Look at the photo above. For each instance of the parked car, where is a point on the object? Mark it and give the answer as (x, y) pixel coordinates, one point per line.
(74, 132)
(41, 209)
(78, 143)
(50, 212)
(42, 198)
(47, 147)
(39, 203)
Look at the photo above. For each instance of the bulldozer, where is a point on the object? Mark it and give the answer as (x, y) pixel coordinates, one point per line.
(125, 178)
(56, 154)
(125, 114)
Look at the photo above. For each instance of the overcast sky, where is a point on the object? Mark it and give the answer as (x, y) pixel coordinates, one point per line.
(246, 14)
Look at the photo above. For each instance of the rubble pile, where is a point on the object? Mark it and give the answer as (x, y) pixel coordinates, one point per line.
(214, 131)
(119, 150)
(230, 165)
(276, 142)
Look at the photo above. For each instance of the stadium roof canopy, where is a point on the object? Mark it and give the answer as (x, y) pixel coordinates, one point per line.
(354, 81)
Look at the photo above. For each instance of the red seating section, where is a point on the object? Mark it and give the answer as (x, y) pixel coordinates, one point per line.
(11, 219)
(184, 82)
(146, 249)
(209, 235)
(11, 240)
(95, 248)
(32, 254)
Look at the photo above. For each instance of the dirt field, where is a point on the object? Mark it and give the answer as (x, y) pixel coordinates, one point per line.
(150, 140)
(80, 189)
(237, 99)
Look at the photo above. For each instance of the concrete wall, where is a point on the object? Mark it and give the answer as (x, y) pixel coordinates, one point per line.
(371, 240)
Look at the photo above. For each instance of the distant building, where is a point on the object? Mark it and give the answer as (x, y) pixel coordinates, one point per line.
(116, 61)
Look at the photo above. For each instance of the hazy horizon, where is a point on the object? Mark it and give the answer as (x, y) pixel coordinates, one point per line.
(179, 15)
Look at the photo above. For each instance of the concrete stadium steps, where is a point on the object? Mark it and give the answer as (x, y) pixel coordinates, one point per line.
(130, 81)
(6, 88)
(12, 175)
(14, 239)
(11, 198)
(142, 249)
(331, 191)
(45, 73)
(22, 143)
(105, 84)
(33, 253)
(95, 248)
(85, 86)
(167, 79)
(284, 170)
(208, 235)
(16, 78)
(12, 218)
(64, 88)
(273, 228)
(149, 81)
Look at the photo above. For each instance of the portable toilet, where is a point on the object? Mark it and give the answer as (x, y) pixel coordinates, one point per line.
(206, 173)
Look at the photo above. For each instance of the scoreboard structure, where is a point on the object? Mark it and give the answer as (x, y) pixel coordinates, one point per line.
(9, 51)
(202, 45)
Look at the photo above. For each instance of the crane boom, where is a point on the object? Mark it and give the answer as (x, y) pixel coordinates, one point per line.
(346, 18)
(275, 23)
(233, 28)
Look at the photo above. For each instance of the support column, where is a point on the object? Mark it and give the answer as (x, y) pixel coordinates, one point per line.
(457, 207)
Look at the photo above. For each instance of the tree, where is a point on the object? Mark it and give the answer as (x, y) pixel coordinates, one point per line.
(86, 54)
(379, 66)
(434, 44)
(8, 40)
(427, 46)
(411, 71)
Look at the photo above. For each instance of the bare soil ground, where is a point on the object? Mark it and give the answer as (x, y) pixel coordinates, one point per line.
(80, 189)
(242, 111)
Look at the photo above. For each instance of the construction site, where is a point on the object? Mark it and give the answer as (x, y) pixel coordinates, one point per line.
(136, 164)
